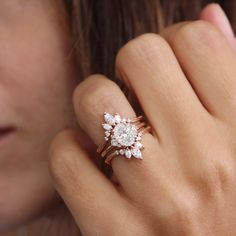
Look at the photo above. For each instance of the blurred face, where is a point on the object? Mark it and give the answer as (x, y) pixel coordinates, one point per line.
(36, 83)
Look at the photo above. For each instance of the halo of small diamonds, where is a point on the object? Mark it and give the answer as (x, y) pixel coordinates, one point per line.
(123, 134)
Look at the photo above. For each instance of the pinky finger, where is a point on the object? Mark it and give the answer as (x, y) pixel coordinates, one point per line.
(97, 207)
(215, 15)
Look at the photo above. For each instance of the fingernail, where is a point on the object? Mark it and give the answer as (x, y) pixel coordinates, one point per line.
(226, 26)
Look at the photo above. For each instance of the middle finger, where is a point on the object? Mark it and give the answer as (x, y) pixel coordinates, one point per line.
(149, 67)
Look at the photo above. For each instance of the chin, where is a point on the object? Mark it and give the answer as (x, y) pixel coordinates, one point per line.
(23, 200)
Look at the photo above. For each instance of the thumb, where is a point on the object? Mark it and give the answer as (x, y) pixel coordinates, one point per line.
(214, 14)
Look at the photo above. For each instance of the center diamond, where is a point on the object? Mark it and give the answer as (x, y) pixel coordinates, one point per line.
(125, 134)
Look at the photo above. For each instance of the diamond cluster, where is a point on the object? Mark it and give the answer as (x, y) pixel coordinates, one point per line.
(123, 134)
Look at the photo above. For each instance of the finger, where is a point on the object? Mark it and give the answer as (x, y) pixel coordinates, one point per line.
(92, 97)
(149, 67)
(209, 64)
(215, 15)
(90, 196)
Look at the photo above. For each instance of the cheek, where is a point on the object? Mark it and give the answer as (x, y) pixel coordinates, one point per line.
(37, 78)
(37, 73)
(36, 70)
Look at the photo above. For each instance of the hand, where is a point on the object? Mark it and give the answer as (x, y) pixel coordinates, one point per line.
(214, 14)
(185, 185)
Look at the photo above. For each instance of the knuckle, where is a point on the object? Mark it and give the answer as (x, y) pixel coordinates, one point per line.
(185, 215)
(223, 173)
(99, 93)
(142, 49)
(196, 32)
(217, 177)
(86, 84)
(175, 210)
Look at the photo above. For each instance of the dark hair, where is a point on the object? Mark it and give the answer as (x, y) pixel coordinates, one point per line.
(101, 27)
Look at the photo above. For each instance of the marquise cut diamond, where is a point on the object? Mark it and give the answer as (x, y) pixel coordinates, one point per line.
(128, 153)
(109, 119)
(107, 126)
(117, 119)
(136, 153)
(138, 145)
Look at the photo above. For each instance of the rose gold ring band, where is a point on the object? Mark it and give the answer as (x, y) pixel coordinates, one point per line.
(122, 137)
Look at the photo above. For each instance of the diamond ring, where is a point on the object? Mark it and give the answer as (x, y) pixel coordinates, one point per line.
(122, 137)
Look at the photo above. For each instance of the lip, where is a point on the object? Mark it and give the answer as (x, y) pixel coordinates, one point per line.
(5, 133)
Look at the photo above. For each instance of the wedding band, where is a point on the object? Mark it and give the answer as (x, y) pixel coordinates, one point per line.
(122, 137)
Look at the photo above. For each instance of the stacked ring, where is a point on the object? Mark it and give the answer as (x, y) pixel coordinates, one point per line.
(122, 137)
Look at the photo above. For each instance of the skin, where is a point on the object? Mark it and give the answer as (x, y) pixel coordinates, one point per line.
(36, 82)
(37, 79)
(185, 185)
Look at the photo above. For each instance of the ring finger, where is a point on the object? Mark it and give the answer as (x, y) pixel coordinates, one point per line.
(97, 94)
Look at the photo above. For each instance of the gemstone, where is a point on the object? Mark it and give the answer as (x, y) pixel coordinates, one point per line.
(117, 118)
(114, 142)
(128, 153)
(107, 126)
(138, 145)
(122, 151)
(136, 153)
(125, 134)
(107, 133)
(109, 119)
